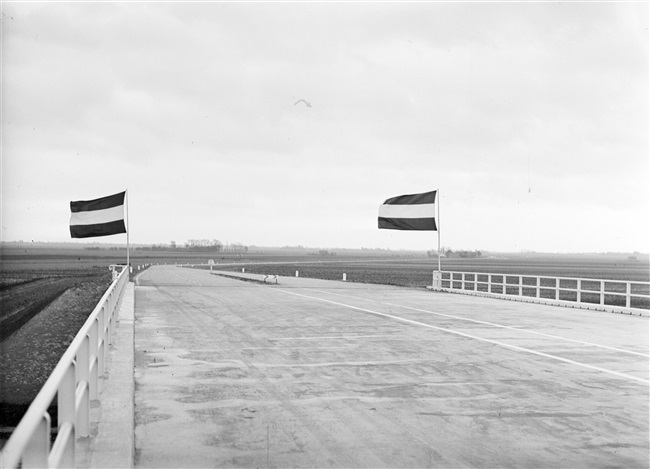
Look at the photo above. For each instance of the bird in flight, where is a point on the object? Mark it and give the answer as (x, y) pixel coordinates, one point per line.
(307, 103)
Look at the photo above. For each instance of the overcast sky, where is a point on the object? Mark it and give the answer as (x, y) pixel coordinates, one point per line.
(530, 118)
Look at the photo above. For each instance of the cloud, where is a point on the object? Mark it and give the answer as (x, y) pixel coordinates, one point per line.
(518, 112)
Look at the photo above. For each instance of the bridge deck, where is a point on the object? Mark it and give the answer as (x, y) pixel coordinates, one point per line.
(312, 373)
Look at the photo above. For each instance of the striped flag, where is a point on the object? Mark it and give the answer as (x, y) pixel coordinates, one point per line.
(409, 212)
(99, 217)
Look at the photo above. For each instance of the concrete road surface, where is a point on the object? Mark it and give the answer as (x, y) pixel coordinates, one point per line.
(312, 373)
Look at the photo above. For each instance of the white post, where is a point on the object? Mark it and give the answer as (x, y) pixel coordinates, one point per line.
(437, 279)
(602, 292)
(344, 277)
(38, 448)
(66, 396)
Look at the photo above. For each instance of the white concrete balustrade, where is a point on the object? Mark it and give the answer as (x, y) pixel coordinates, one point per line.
(602, 294)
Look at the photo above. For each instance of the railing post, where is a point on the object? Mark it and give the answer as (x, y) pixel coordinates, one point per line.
(93, 384)
(111, 319)
(101, 357)
(602, 292)
(66, 400)
(521, 285)
(628, 293)
(63, 451)
(489, 283)
(462, 281)
(82, 360)
(38, 448)
(101, 350)
(436, 280)
(82, 409)
(93, 358)
(579, 290)
(557, 288)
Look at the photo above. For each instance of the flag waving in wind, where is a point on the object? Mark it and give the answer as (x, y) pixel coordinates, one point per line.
(99, 217)
(409, 212)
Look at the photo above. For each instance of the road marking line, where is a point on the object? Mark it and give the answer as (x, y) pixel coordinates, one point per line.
(469, 336)
(327, 364)
(517, 328)
(328, 337)
(311, 347)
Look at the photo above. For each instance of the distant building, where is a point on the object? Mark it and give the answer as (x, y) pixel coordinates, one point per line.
(463, 254)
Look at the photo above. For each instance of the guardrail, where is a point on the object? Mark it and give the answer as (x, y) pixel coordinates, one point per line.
(74, 382)
(609, 295)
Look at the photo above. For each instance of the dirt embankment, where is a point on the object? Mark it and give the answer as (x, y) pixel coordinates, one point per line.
(22, 301)
(51, 309)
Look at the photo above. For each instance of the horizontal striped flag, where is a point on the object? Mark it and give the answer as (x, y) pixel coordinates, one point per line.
(99, 217)
(409, 212)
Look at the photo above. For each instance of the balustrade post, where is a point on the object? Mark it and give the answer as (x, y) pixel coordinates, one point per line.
(628, 294)
(82, 409)
(111, 320)
(38, 448)
(66, 397)
(101, 357)
(579, 290)
(63, 451)
(101, 350)
(557, 288)
(93, 358)
(602, 292)
(521, 285)
(82, 367)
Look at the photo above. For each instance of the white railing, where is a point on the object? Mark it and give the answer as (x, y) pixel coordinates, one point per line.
(609, 295)
(74, 382)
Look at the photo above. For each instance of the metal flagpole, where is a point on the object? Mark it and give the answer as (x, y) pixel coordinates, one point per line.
(438, 230)
(128, 228)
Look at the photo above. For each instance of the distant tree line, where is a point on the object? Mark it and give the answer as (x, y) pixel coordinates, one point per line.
(456, 254)
(197, 245)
